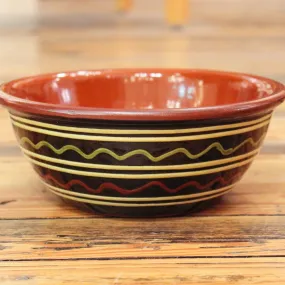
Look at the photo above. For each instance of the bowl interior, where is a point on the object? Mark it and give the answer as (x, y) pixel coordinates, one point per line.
(141, 89)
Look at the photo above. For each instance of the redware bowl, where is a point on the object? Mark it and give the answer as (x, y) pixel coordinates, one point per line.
(141, 142)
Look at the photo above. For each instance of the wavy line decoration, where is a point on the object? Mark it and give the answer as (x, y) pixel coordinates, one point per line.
(215, 145)
(108, 185)
(158, 199)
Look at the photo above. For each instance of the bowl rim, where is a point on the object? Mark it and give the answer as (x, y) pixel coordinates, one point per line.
(219, 111)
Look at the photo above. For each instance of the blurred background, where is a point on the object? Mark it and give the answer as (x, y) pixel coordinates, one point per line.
(55, 35)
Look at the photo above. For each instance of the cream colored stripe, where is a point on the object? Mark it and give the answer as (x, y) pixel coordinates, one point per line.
(142, 167)
(145, 199)
(138, 204)
(141, 176)
(140, 139)
(138, 132)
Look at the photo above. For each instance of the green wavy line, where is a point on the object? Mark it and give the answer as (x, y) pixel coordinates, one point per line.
(98, 151)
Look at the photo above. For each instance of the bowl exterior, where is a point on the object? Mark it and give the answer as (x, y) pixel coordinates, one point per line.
(138, 169)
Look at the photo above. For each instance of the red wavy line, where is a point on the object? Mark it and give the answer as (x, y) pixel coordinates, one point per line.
(123, 191)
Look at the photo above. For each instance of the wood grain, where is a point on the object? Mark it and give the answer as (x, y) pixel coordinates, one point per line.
(106, 239)
(222, 271)
(239, 240)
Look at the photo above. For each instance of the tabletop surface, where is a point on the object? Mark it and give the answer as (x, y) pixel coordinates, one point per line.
(239, 240)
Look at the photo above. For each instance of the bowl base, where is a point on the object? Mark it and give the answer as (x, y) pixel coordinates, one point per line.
(146, 212)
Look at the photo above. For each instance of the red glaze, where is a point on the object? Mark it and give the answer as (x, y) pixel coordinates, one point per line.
(143, 94)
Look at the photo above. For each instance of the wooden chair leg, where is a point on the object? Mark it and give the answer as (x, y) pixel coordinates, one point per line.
(177, 12)
(124, 5)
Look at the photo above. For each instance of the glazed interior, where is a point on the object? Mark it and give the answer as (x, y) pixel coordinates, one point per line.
(141, 90)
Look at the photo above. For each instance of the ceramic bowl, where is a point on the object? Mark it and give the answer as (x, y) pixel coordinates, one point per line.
(141, 142)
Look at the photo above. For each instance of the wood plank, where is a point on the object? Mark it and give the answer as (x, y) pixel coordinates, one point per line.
(102, 238)
(240, 202)
(62, 49)
(200, 271)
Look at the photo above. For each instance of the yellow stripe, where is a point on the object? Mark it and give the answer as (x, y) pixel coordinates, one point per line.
(140, 139)
(141, 176)
(143, 152)
(138, 204)
(145, 199)
(142, 167)
(138, 132)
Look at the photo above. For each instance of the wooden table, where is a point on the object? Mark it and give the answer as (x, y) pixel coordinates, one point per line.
(241, 240)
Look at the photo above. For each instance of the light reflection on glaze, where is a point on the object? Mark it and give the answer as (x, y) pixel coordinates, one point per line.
(142, 90)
